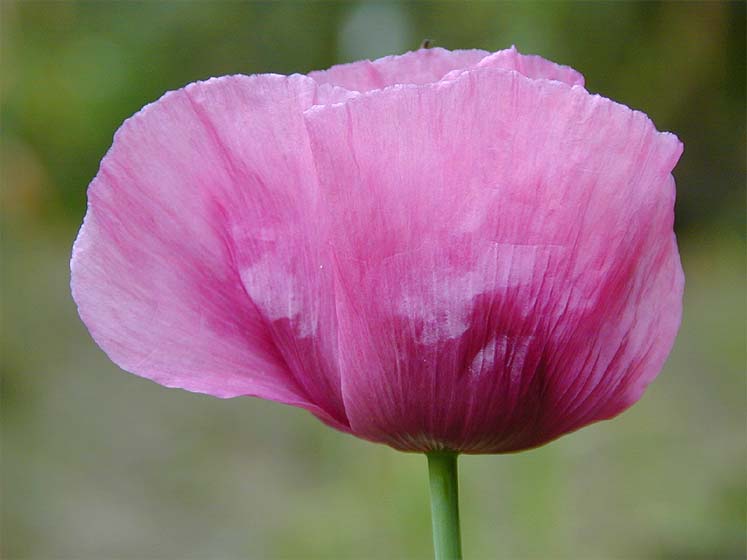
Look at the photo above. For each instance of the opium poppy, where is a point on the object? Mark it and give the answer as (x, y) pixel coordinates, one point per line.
(446, 252)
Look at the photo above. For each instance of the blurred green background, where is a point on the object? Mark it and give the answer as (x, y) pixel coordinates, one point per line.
(97, 464)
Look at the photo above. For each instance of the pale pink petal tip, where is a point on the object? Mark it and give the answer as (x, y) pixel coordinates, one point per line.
(532, 66)
(419, 67)
(431, 65)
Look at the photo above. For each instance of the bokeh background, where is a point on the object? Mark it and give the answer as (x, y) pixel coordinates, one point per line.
(97, 464)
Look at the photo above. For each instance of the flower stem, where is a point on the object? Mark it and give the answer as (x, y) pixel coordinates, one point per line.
(442, 471)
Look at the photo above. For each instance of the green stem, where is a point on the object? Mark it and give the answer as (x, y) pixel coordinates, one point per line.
(442, 471)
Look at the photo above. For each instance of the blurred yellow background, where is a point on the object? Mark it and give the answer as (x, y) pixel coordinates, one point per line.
(98, 464)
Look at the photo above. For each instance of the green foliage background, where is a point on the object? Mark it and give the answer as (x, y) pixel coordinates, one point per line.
(97, 464)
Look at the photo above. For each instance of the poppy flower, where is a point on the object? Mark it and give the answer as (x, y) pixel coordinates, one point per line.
(444, 251)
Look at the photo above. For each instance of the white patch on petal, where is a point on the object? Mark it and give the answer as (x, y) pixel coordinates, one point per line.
(485, 358)
(276, 291)
(441, 303)
(518, 356)
(504, 352)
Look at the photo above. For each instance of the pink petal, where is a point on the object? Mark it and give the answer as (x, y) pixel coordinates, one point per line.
(426, 66)
(416, 67)
(199, 264)
(505, 264)
(532, 66)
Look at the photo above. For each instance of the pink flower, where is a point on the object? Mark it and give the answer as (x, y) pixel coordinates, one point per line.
(440, 250)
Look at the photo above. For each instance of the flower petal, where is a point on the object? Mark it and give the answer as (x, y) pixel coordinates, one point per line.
(198, 265)
(505, 264)
(415, 67)
(532, 66)
(426, 66)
